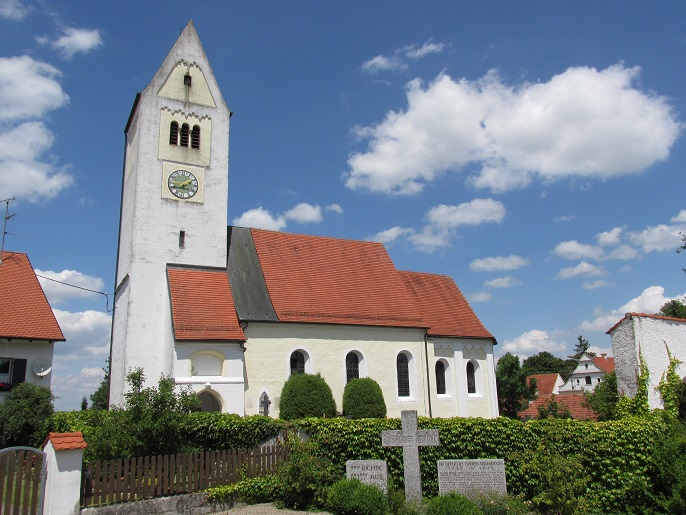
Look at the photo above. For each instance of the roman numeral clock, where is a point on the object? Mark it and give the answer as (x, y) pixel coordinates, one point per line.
(182, 182)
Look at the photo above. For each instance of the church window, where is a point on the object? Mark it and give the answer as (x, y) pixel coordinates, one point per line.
(264, 404)
(182, 239)
(471, 378)
(440, 378)
(403, 371)
(185, 130)
(352, 366)
(195, 137)
(297, 363)
(588, 379)
(187, 80)
(174, 133)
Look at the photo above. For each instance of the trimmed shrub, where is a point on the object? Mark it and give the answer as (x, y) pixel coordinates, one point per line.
(350, 497)
(306, 395)
(452, 504)
(24, 413)
(250, 490)
(363, 398)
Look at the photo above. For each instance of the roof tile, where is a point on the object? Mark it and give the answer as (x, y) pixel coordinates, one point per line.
(24, 310)
(67, 441)
(575, 402)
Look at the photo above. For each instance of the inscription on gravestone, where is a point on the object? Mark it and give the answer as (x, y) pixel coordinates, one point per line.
(470, 477)
(410, 439)
(369, 472)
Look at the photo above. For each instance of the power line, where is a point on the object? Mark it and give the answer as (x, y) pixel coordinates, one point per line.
(107, 295)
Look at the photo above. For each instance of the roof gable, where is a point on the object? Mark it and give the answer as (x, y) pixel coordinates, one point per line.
(24, 310)
(443, 307)
(202, 305)
(546, 383)
(317, 279)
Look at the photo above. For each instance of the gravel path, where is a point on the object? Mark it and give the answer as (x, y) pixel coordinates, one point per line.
(261, 509)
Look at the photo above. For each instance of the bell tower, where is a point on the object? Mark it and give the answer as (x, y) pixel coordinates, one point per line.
(173, 205)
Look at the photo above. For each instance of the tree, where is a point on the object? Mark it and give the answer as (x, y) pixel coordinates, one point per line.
(673, 308)
(100, 398)
(581, 348)
(363, 398)
(24, 413)
(514, 393)
(306, 395)
(605, 398)
(544, 363)
(553, 409)
(84, 403)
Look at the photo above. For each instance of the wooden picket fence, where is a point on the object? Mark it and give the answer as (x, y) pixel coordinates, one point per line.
(113, 481)
(22, 478)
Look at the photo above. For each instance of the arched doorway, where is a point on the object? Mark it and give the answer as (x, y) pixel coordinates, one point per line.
(209, 402)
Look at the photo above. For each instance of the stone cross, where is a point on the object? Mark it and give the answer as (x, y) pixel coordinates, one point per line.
(410, 439)
(264, 404)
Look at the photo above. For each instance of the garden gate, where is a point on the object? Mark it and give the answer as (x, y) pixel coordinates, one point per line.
(22, 480)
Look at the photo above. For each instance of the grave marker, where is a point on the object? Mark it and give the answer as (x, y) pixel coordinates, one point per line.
(410, 439)
(469, 477)
(369, 472)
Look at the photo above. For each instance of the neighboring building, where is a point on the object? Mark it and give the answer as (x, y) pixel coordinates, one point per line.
(589, 372)
(652, 338)
(232, 313)
(546, 384)
(575, 402)
(28, 327)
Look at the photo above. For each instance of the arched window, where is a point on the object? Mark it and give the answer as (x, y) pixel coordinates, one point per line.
(297, 363)
(174, 133)
(208, 402)
(195, 137)
(440, 378)
(184, 134)
(588, 379)
(471, 378)
(403, 370)
(352, 366)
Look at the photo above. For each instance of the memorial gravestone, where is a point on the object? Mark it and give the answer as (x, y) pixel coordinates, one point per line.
(369, 472)
(471, 477)
(410, 439)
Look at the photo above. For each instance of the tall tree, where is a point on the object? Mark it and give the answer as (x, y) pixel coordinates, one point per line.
(514, 393)
(673, 308)
(581, 348)
(100, 398)
(544, 363)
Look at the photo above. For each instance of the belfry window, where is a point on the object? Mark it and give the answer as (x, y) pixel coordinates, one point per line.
(185, 130)
(352, 366)
(440, 378)
(195, 137)
(403, 371)
(471, 378)
(297, 363)
(187, 80)
(174, 133)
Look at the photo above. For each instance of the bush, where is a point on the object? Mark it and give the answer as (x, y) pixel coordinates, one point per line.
(304, 479)
(363, 398)
(306, 395)
(250, 490)
(452, 504)
(24, 415)
(350, 497)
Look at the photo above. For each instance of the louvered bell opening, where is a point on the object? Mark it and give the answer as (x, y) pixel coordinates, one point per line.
(195, 137)
(184, 135)
(173, 133)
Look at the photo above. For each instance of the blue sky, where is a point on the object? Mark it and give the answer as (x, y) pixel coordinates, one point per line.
(532, 151)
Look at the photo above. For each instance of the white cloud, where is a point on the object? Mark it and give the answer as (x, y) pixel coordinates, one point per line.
(611, 237)
(383, 63)
(13, 10)
(58, 293)
(428, 48)
(397, 61)
(659, 238)
(583, 122)
(502, 282)
(594, 285)
(584, 269)
(532, 342)
(390, 235)
(304, 213)
(77, 41)
(482, 296)
(334, 208)
(680, 218)
(574, 250)
(260, 218)
(491, 264)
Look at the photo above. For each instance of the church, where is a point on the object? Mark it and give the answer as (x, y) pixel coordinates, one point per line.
(232, 312)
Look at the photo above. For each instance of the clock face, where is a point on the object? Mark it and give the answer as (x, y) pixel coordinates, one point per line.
(182, 184)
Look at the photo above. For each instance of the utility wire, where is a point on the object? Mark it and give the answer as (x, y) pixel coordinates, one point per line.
(107, 295)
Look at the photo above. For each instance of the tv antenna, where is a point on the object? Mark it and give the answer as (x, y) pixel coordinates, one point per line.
(4, 225)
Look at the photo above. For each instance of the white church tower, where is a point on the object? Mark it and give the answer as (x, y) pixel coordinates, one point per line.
(173, 205)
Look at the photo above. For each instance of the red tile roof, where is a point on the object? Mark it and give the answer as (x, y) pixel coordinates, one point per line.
(545, 383)
(443, 306)
(575, 402)
(67, 441)
(24, 310)
(202, 305)
(327, 280)
(604, 363)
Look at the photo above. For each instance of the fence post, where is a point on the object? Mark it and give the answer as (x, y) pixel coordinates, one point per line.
(64, 455)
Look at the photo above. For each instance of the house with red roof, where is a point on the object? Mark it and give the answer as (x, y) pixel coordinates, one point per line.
(28, 328)
(654, 339)
(589, 373)
(233, 312)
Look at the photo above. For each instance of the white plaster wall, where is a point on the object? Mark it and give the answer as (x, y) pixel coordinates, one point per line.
(228, 387)
(63, 483)
(30, 351)
(650, 337)
(269, 347)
